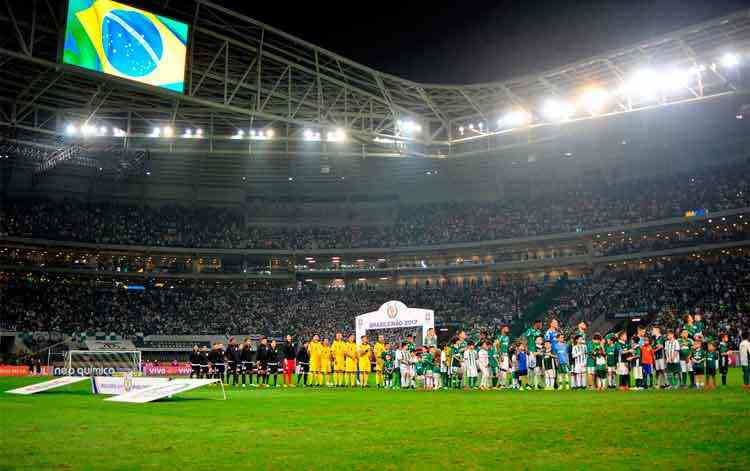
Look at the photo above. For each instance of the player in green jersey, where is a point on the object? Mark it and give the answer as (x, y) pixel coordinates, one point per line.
(389, 368)
(531, 335)
(492, 353)
(686, 366)
(609, 350)
(712, 363)
(724, 357)
(600, 360)
(699, 363)
(427, 364)
(502, 347)
(622, 349)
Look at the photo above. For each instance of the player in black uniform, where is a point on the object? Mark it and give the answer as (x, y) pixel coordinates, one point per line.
(261, 362)
(303, 362)
(246, 361)
(195, 362)
(203, 359)
(216, 358)
(232, 356)
(273, 363)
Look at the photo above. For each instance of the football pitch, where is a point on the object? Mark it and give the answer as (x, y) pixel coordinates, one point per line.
(70, 429)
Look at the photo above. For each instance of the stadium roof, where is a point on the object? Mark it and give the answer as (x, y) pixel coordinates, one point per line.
(246, 75)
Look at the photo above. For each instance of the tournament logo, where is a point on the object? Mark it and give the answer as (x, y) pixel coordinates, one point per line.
(127, 383)
(391, 311)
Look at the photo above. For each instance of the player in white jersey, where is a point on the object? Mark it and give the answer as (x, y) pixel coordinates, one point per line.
(579, 355)
(484, 366)
(471, 358)
(403, 362)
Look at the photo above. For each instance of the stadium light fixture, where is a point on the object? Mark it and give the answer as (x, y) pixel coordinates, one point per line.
(593, 100)
(409, 126)
(199, 133)
(239, 135)
(71, 129)
(156, 132)
(556, 110)
(730, 60)
(675, 79)
(461, 130)
(117, 132)
(102, 131)
(88, 130)
(644, 84)
(336, 136)
(167, 131)
(269, 133)
(516, 118)
(187, 134)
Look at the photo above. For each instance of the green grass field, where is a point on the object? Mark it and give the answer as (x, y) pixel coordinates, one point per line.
(70, 429)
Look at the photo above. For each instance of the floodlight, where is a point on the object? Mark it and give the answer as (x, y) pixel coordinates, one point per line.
(516, 118)
(167, 131)
(730, 59)
(71, 129)
(593, 100)
(556, 110)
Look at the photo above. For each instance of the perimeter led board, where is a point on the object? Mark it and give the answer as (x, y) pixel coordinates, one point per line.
(126, 42)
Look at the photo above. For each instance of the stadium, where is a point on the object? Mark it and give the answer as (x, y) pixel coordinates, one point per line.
(222, 244)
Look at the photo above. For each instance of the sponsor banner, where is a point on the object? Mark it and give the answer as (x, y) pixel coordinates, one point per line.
(167, 370)
(116, 385)
(47, 385)
(14, 370)
(84, 371)
(19, 370)
(161, 391)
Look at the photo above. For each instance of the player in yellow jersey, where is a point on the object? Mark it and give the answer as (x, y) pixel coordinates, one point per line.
(350, 375)
(314, 350)
(339, 359)
(378, 350)
(325, 362)
(364, 352)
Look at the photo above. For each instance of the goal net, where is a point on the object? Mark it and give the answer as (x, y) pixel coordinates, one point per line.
(102, 362)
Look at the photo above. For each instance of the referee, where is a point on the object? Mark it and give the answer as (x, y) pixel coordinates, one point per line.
(303, 360)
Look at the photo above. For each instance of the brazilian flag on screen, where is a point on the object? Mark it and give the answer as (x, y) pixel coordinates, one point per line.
(126, 42)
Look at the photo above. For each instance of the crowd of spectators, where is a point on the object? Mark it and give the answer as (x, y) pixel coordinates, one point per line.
(70, 308)
(661, 292)
(576, 207)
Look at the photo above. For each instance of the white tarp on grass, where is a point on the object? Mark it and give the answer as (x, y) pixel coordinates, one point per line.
(47, 385)
(161, 391)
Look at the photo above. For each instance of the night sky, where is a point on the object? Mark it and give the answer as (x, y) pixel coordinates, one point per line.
(475, 40)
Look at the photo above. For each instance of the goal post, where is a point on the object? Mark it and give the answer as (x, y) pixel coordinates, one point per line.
(102, 362)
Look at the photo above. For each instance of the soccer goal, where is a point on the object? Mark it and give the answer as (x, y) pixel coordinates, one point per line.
(102, 362)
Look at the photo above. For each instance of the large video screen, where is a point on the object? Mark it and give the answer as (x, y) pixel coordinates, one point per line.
(126, 42)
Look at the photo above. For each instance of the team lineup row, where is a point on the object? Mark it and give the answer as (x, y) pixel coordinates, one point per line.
(543, 361)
